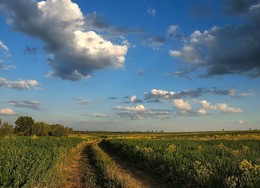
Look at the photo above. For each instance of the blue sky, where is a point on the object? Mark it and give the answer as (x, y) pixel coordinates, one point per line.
(131, 65)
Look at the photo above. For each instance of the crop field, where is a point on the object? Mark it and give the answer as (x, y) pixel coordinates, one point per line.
(32, 161)
(214, 159)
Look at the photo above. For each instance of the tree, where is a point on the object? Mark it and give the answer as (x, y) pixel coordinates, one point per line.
(40, 129)
(6, 129)
(24, 125)
(58, 130)
(0, 121)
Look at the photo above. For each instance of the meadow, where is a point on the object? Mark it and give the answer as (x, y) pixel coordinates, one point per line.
(207, 159)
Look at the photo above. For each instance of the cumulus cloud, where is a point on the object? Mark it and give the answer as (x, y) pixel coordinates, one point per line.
(182, 106)
(134, 99)
(35, 105)
(75, 52)
(223, 107)
(7, 111)
(140, 112)
(230, 49)
(19, 84)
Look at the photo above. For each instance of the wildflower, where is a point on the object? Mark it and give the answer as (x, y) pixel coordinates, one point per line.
(245, 149)
(34, 137)
(203, 172)
(171, 148)
(147, 150)
(232, 181)
(246, 166)
(200, 148)
(222, 147)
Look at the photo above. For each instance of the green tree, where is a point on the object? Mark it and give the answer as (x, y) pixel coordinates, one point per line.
(24, 125)
(58, 130)
(0, 121)
(6, 129)
(40, 129)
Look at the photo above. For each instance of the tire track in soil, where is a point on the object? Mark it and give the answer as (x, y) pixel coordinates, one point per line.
(141, 176)
(80, 173)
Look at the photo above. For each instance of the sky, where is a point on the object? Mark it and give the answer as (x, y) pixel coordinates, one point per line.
(138, 65)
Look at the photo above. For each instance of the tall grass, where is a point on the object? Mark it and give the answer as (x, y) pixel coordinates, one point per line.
(187, 163)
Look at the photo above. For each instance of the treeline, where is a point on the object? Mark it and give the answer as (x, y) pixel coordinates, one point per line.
(26, 126)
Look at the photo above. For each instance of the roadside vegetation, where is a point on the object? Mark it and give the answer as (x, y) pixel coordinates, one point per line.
(187, 163)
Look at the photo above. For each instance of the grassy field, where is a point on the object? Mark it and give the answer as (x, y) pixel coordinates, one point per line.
(208, 159)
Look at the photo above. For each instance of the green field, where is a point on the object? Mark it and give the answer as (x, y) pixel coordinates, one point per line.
(32, 161)
(208, 159)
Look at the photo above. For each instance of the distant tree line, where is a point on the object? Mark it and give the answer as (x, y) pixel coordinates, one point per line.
(26, 126)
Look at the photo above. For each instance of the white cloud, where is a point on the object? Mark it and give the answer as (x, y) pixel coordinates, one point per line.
(246, 94)
(133, 98)
(6, 67)
(7, 111)
(158, 94)
(223, 107)
(19, 84)
(173, 29)
(182, 106)
(3, 46)
(151, 11)
(83, 102)
(175, 53)
(97, 115)
(140, 112)
(241, 121)
(202, 111)
(61, 25)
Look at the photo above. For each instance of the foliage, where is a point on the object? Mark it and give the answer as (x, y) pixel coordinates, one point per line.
(24, 125)
(30, 162)
(189, 163)
(40, 129)
(59, 130)
(6, 129)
